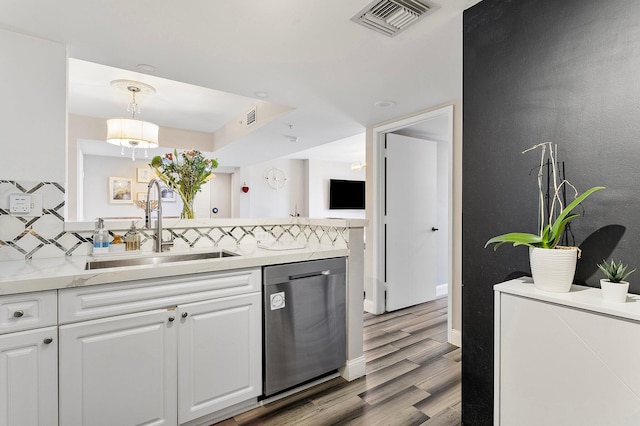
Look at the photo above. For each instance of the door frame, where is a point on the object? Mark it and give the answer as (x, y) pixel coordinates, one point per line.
(374, 298)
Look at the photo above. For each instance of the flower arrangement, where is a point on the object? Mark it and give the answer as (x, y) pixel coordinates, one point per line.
(184, 173)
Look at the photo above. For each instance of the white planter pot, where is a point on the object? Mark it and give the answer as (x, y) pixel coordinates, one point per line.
(553, 269)
(614, 292)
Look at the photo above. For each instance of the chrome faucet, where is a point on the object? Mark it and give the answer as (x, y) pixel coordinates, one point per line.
(159, 244)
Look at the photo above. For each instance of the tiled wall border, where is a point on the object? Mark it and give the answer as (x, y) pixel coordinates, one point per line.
(40, 237)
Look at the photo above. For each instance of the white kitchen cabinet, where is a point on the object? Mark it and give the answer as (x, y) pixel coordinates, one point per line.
(28, 359)
(220, 361)
(29, 378)
(565, 358)
(119, 371)
(195, 348)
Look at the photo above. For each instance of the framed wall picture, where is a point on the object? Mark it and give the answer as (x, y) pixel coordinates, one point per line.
(120, 190)
(141, 196)
(168, 195)
(143, 174)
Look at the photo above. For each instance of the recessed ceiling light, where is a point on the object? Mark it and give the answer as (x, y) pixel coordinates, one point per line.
(146, 68)
(261, 94)
(385, 104)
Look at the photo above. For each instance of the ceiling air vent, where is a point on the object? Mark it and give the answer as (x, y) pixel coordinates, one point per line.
(389, 17)
(251, 116)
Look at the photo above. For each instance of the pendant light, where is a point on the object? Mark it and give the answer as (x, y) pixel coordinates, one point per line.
(130, 132)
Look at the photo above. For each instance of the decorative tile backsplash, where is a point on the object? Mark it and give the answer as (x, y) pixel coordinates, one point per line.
(32, 237)
(40, 237)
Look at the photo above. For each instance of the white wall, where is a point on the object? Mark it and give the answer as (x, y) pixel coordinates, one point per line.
(319, 174)
(221, 195)
(262, 200)
(33, 83)
(97, 171)
(442, 276)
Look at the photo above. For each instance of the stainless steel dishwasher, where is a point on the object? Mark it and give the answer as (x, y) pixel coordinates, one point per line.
(304, 322)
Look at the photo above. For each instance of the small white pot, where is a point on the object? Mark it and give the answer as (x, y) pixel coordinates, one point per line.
(553, 269)
(614, 292)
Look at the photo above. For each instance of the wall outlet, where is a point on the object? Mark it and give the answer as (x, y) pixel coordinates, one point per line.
(261, 236)
(25, 205)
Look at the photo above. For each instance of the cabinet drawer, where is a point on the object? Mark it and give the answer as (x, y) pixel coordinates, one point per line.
(84, 303)
(28, 310)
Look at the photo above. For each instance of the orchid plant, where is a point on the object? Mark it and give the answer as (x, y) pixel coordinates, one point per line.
(553, 225)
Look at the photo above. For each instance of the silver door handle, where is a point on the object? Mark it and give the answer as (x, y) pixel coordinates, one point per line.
(312, 274)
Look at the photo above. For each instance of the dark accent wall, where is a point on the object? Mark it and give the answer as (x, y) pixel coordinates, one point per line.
(544, 70)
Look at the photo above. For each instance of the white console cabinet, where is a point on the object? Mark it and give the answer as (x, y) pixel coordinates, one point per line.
(565, 358)
(28, 360)
(178, 349)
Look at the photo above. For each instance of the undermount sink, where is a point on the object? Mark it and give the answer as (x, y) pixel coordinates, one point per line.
(155, 260)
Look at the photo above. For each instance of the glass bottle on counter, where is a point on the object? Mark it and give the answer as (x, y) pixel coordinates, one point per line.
(132, 238)
(100, 237)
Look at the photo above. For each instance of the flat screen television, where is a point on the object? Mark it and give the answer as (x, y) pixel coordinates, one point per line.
(346, 194)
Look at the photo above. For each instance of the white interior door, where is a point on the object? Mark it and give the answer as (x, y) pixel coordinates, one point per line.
(411, 194)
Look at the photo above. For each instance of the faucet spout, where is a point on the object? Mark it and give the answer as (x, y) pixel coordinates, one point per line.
(159, 244)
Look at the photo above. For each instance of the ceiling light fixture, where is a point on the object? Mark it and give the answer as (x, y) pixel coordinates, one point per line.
(261, 94)
(385, 104)
(146, 68)
(129, 132)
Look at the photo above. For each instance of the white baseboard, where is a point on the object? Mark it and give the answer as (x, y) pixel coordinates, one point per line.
(442, 290)
(224, 414)
(456, 338)
(369, 306)
(355, 368)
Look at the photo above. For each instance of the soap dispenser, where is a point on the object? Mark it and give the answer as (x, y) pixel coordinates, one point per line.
(100, 237)
(132, 238)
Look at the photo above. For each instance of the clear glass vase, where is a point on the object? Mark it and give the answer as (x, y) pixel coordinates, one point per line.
(187, 208)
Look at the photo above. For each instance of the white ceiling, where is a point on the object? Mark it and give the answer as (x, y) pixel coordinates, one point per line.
(307, 55)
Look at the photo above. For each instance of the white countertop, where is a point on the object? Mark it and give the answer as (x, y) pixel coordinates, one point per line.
(587, 298)
(21, 276)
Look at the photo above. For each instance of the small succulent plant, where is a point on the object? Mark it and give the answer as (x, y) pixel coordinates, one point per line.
(615, 272)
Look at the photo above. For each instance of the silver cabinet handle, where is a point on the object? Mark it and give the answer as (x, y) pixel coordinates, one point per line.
(172, 318)
(185, 314)
(47, 340)
(18, 314)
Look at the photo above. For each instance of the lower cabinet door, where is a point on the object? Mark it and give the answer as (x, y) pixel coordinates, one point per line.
(29, 377)
(119, 370)
(220, 354)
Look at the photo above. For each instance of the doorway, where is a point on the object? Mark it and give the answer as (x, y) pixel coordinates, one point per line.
(435, 126)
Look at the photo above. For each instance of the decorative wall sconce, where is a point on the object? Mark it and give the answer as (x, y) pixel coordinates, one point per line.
(356, 167)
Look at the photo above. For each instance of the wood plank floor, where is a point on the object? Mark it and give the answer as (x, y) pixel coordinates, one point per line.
(413, 378)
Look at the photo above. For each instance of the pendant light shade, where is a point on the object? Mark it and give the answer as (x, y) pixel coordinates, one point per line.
(132, 133)
(129, 132)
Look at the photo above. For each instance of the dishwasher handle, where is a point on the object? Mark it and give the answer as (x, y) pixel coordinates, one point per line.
(309, 275)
